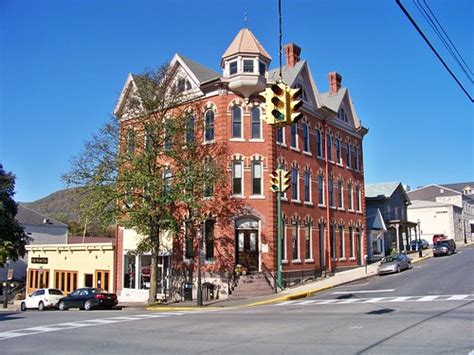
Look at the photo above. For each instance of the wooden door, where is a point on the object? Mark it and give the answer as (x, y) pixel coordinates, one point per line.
(102, 279)
(247, 249)
(37, 278)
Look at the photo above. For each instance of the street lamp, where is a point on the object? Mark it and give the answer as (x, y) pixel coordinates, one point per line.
(199, 283)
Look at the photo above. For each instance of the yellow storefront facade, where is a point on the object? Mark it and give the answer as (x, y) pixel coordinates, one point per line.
(70, 266)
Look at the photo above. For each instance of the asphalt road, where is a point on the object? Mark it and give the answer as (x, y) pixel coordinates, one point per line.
(426, 310)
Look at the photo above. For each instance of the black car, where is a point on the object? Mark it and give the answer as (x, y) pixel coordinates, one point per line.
(88, 298)
(444, 247)
(421, 243)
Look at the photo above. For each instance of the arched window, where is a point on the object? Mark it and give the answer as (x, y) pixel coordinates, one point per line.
(209, 126)
(338, 151)
(331, 192)
(190, 122)
(236, 122)
(294, 184)
(294, 132)
(329, 146)
(256, 129)
(320, 190)
(305, 137)
(307, 187)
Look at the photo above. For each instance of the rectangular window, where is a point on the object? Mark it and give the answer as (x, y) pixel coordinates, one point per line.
(256, 178)
(293, 141)
(307, 187)
(279, 136)
(295, 242)
(340, 194)
(351, 241)
(358, 198)
(209, 238)
(341, 242)
(331, 192)
(305, 138)
(319, 144)
(129, 271)
(189, 241)
(261, 68)
(332, 238)
(248, 66)
(237, 178)
(349, 198)
(338, 151)
(307, 242)
(320, 190)
(329, 146)
(294, 184)
(348, 156)
(356, 157)
(66, 281)
(233, 68)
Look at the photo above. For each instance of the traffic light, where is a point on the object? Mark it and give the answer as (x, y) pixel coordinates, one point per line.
(293, 105)
(275, 102)
(275, 181)
(285, 180)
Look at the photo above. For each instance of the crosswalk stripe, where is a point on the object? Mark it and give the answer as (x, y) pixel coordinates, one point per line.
(400, 299)
(351, 300)
(375, 299)
(102, 321)
(457, 297)
(427, 298)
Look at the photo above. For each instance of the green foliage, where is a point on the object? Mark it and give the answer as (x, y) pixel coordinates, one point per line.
(12, 236)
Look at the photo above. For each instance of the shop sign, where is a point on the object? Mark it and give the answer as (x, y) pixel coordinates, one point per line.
(39, 260)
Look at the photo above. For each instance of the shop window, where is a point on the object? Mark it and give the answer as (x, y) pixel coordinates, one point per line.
(88, 280)
(102, 279)
(145, 271)
(37, 278)
(65, 281)
(129, 271)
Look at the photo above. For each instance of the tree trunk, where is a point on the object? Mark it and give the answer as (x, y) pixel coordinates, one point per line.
(155, 249)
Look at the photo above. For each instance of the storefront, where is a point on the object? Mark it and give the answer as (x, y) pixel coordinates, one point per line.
(70, 266)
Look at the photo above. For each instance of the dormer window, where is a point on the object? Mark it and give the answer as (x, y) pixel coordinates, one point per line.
(248, 66)
(233, 67)
(183, 85)
(262, 68)
(342, 114)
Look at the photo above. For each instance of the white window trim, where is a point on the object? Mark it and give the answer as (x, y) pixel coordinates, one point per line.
(261, 195)
(283, 143)
(242, 183)
(242, 123)
(343, 256)
(308, 140)
(298, 197)
(285, 249)
(323, 192)
(310, 202)
(258, 139)
(298, 246)
(310, 259)
(296, 148)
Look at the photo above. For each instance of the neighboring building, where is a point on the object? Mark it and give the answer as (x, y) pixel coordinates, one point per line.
(70, 266)
(323, 211)
(389, 202)
(41, 230)
(444, 209)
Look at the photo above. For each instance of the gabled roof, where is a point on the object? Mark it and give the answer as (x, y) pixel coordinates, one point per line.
(27, 216)
(381, 190)
(459, 186)
(245, 42)
(375, 219)
(333, 101)
(202, 73)
(289, 73)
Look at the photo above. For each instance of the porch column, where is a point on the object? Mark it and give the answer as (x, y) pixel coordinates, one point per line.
(397, 228)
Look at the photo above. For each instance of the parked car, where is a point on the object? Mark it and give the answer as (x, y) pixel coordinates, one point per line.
(438, 237)
(444, 247)
(422, 242)
(88, 298)
(394, 263)
(42, 298)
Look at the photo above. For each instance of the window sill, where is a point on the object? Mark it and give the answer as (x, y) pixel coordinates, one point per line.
(308, 261)
(332, 207)
(238, 197)
(350, 210)
(208, 142)
(295, 149)
(257, 140)
(296, 201)
(284, 198)
(237, 140)
(307, 153)
(308, 203)
(284, 261)
(348, 167)
(209, 262)
(281, 144)
(320, 157)
(256, 197)
(340, 165)
(340, 209)
(321, 205)
(352, 259)
(342, 259)
(296, 261)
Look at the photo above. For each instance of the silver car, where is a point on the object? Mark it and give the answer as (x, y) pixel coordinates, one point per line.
(394, 263)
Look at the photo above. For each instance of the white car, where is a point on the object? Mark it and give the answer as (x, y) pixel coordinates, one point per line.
(42, 298)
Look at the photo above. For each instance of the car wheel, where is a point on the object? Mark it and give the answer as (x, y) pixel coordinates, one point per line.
(62, 306)
(23, 307)
(87, 305)
(410, 266)
(398, 268)
(41, 306)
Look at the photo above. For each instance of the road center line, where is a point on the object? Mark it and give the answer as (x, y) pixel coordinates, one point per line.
(363, 291)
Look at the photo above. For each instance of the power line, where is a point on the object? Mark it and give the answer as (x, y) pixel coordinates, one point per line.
(437, 28)
(432, 48)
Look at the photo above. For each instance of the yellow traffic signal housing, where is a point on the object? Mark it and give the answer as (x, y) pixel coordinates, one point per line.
(293, 105)
(275, 181)
(279, 101)
(285, 180)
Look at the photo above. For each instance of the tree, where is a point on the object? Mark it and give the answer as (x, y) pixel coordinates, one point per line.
(147, 169)
(12, 236)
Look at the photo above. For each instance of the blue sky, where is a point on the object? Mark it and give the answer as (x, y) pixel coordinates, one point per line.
(63, 65)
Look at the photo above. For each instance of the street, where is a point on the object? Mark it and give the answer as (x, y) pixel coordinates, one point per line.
(426, 310)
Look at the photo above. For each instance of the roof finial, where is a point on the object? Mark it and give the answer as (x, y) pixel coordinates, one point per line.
(245, 19)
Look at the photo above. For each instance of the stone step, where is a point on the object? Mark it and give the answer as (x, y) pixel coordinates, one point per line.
(251, 285)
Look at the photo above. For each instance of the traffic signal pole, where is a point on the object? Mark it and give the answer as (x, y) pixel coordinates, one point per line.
(279, 233)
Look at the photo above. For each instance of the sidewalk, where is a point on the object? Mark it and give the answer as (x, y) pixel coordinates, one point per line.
(301, 291)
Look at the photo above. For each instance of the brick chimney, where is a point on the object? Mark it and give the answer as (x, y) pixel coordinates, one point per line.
(335, 80)
(292, 54)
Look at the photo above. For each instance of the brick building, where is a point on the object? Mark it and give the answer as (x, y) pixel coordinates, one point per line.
(324, 209)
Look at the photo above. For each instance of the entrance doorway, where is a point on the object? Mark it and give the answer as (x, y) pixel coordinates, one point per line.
(247, 249)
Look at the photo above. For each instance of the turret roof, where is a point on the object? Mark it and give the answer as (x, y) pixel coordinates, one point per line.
(245, 42)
